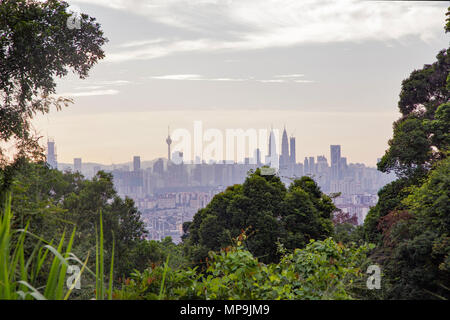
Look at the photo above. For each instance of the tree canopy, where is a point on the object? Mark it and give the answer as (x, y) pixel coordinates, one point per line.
(36, 47)
(410, 222)
(270, 213)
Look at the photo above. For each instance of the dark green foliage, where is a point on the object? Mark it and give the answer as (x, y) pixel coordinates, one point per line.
(37, 46)
(447, 26)
(417, 246)
(52, 200)
(440, 127)
(411, 222)
(344, 233)
(425, 89)
(322, 270)
(390, 198)
(409, 149)
(269, 212)
(420, 136)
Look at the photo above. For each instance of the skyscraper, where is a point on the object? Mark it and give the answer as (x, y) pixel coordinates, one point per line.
(292, 158)
(272, 157)
(321, 164)
(272, 146)
(342, 167)
(177, 157)
(158, 167)
(257, 157)
(77, 163)
(306, 166)
(312, 165)
(136, 163)
(335, 155)
(284, 157)
(51, 154)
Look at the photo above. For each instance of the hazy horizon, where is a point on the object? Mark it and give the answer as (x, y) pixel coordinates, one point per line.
(330, 71)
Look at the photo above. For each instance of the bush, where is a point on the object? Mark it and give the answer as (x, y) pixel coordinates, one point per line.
(322, 270)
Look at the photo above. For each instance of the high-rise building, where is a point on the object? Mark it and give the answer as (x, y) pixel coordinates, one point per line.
(335, 155)
(177, 157)
(322, 164)
(342, 167)
(272, 157)
(292, 158)
(312, 165)
(258, 157)
(284, 157)
(77, 163)
(169, 142)
(306, 166)
(136, 163)
(272, 144)
(158, 167)
(51, 154)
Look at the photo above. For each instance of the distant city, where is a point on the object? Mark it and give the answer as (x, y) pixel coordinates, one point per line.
(169, 191)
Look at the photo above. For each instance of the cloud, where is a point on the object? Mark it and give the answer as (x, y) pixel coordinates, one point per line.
(198, 77)
(113, 82)
(178, 77)
(140, 43)
(88, 93)
(193, 77)
(271, 81)
(89, 88)
(97, 85)
(164, 48)
(296, 75)
(224, 25)
(304, 81)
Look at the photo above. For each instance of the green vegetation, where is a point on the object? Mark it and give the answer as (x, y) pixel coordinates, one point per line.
(410, 223)
(263, 207)
(322, 270)
(47, 201)
(142, 269)
(256, 240)
(37, 275)
(36, 47)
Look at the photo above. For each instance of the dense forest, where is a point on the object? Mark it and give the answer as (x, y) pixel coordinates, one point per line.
(255, 240)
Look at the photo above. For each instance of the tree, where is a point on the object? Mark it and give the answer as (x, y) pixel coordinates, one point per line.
(410, 222)
(424, 103)
(420, 139)
(321, 270)
(262, 207)
(417, 240)
(54, 201)
(447, 26)
(346, 229)
(37, 46)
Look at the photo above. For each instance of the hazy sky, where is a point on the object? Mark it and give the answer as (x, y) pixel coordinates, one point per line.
(329, 70)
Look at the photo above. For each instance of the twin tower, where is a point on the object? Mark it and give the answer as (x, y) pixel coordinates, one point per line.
(287, 157)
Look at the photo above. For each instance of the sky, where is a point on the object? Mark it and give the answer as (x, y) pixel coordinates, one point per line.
(329, 71)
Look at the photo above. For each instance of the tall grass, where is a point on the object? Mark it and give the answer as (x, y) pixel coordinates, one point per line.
(162, 289)
(19, 275)
(100, 290)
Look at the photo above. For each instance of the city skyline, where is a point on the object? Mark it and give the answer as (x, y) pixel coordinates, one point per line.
(169, 193)
(282, 152)
(332, 75)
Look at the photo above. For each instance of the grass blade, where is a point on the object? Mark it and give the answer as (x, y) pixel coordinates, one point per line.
(161, 289)
(77, 278)
(111, 272)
